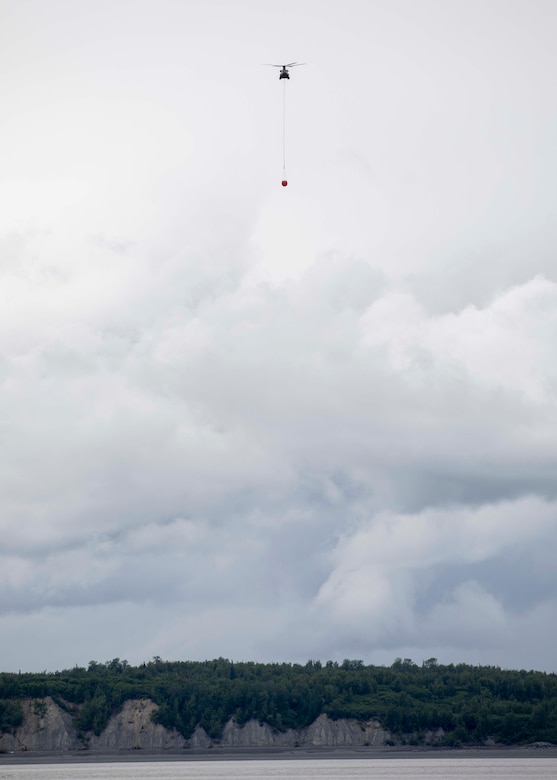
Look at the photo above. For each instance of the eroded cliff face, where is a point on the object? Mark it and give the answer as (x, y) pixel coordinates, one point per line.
(47, 727)
(345, 732)
(322, 733)
(133, 729)
(255, 734)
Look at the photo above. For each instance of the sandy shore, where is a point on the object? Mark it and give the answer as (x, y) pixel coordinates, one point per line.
(281, 754)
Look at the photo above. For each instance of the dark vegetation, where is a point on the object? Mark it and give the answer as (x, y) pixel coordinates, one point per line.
(470, 703)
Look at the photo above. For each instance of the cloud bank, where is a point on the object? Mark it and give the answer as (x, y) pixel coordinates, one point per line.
(274, 425)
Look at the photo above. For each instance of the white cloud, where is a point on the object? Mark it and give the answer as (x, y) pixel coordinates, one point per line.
(391, 577)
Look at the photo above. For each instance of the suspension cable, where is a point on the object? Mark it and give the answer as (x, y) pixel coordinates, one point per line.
(284, 128)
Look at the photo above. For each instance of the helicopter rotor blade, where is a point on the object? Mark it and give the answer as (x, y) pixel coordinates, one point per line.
(288, 65)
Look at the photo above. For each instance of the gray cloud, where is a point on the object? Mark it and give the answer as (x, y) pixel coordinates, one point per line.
(278, 424)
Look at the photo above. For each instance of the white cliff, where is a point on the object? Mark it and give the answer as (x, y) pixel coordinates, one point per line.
(134, 729)
(47, 727)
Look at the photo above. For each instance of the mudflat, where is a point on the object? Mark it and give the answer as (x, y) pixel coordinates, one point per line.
(280, 754)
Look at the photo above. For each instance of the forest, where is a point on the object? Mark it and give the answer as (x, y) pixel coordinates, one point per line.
(470, 703)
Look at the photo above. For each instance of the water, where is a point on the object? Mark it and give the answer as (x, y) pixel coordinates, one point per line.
(392, 769)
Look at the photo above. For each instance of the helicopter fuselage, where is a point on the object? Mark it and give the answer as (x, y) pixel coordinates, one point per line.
(284, 74)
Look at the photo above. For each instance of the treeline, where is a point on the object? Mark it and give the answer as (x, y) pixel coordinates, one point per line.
(470, 703)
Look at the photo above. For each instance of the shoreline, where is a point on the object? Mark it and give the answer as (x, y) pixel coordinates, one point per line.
(274, 754)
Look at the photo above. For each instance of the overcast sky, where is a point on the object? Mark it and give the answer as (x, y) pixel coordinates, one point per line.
(274, 423)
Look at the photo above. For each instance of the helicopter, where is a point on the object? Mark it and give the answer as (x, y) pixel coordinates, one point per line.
(284, 75)
(284, 68)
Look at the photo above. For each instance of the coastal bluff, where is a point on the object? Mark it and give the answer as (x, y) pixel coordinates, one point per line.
(47, 727)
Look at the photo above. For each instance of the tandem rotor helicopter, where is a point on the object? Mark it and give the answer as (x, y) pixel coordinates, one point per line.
(284, 74)
(284, 68)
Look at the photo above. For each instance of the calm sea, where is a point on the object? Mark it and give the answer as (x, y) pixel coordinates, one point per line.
(393, 769)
